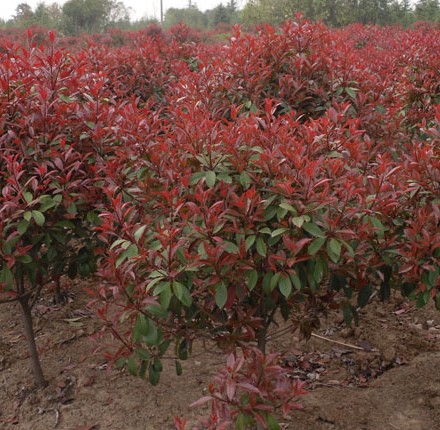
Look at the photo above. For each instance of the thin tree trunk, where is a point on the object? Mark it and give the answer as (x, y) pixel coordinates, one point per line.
(28, 325)
(261, 339)
(261, 333)
(30, 337)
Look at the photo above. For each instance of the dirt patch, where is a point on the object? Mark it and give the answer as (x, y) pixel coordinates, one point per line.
(392, 382)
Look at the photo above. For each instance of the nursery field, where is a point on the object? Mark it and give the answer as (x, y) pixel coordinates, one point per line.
(250, 227)
(395, 385)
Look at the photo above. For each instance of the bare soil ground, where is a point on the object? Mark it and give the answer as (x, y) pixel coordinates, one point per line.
(391, 383)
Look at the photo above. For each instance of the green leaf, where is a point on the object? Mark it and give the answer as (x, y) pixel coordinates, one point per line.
(28, 197)
(288, 207)
(132, 366)
(261, 247)
(65, 99)
(313, 229)
(93, 218)
(252, 280)
(380, 229)
(153, 375)
(22, 226)
(157, 364)
(266, 282)
(152, 336)
(163, 347)
(224, 177)
(218, 228)
(6, 277)
(196, 177)
(125, 244)
(265, 230)
(270, 212)
(120, 362)
(9, 246)
(118, 242)
(143, 368)
(351, 92)
(221, 295)
(210, 178)
(142, 325)
(139, 232)
(380, 109)
(231, 247)
(423, 299)
(47, 203)
(65, 224)
(281, 213)
(72, 209)
(38, 217)
(298, 221)
(279, 231)
(130, 252)
(296, 281)
(183, 350)
(285, 286)
(27, 216)
(153, 282)
(274, 281)
(143, 354)
(182, 293)
(272, 423)
(250, 240)
(334, 249)
(318, 270)
(245, 180)
(364, 295)
(26, 259)
(165, 297)
(157, 311)
(348, 247)
(240, 422)
(315, 246)
(179, 369)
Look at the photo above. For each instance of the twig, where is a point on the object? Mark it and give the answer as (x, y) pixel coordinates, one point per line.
(326, 384)
(19, 297)
(55, 411)
(57, 417)
(10, 300)
(394, 427)
(37, 294)
(348, 345)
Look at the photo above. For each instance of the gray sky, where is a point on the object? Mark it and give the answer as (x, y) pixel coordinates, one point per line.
(140, 8)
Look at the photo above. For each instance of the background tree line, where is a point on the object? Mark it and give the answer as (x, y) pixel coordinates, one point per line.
(93, 16)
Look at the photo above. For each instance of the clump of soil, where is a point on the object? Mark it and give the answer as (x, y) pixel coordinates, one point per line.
(380, 375)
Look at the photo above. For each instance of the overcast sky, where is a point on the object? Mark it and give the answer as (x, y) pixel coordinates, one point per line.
(139, 8)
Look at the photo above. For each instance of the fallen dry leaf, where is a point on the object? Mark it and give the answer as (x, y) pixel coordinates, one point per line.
(88, 427)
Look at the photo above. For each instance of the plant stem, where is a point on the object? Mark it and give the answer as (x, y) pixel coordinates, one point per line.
(30, 337)
(28, 327)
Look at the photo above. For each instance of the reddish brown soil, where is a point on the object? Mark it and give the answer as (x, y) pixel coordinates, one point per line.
(393, 386)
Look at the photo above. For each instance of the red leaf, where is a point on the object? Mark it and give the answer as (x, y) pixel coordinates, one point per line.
(201, 401)
(230, 388)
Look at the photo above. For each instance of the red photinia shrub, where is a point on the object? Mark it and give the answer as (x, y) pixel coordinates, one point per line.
(46, 182)
(279, 174)
(249, 392)
(228, 212)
